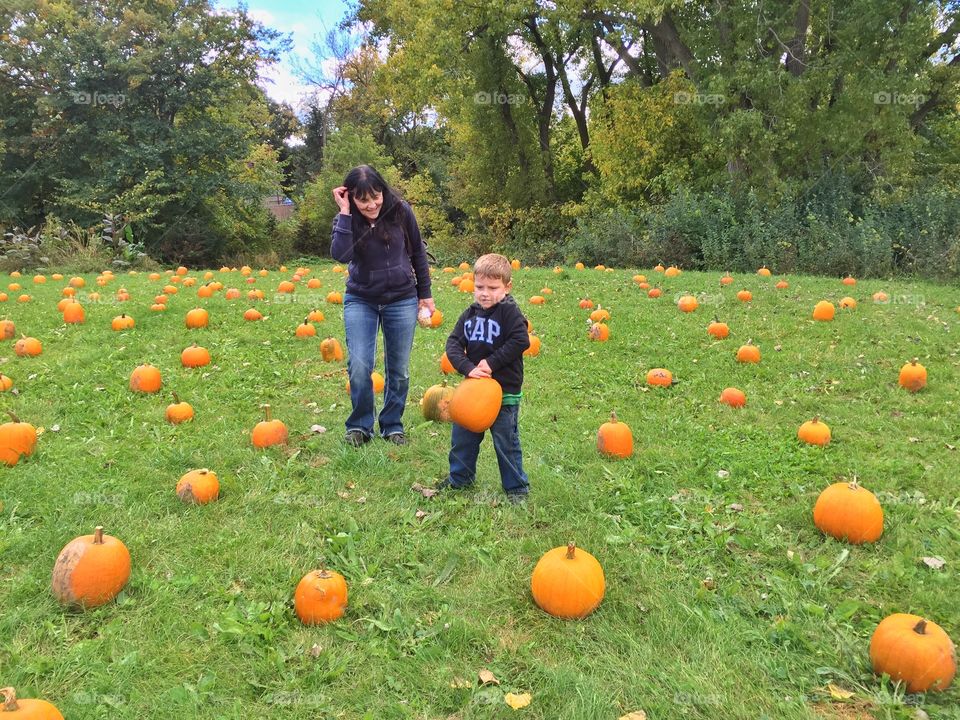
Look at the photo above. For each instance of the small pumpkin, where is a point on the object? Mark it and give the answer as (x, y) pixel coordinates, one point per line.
(198, 487)
(913, 376)
(782, 285)
(848, 511)
(824, 311)
(195, 356)
(600, 315)
(376, 378)
(18, 436)
(320, 597)
(27, 347)
(535, 300)
(748, 353)
(534, 348)
(252, 315)
(6, 382)
(91, 570)
(579, 266)
(197, 318)
(687, 303)
(814, 432)
(435, 403)
(660, 377)
(7, 329)
(286, 287)
(915, 651)
(178, 411)
(27, 708)
(718, 329)
(315, 316)
(744, 296)
(726, 279)
(436, 319)
(269, 432)
(335, 298)
(476, 403)
(654, 293)
(671, 272)
(849, 280)
(764, 271)
(568, 582)
(330, 350)
(446, 367)
(145, 378)
(614, 438)
(586, 304)
(73, 313)
(122, 322)
(232, 293)
(599, 331)
(305, 329)
(847, 303)
(733, 397)
(880, 297)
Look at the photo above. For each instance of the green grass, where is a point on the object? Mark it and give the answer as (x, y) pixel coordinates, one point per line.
(205, 628)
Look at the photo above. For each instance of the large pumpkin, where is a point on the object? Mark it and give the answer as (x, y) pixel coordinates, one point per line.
(916, 651)
(91, 570)
(913, 376)
(849, 512)
(476, 403)
(321, 596)
(567, 582)
(27, 709)
(435, 403)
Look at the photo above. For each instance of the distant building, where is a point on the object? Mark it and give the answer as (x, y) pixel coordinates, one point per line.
(281, 206)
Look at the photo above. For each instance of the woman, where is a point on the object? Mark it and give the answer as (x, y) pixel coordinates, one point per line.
(388, 285)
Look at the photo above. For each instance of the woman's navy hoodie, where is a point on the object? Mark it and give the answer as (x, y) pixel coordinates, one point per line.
(381, 268)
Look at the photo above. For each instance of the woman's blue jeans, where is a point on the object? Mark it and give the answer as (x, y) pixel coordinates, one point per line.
(363, 320)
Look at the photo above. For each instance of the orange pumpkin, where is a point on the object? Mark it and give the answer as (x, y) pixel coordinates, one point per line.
(27, 347)
(376, 378)
(446, 367)
(73, 313)
(748, 353)
(654, 293)
(7, 329)
(27, 708)
(733, 397)
(252, 315)
(315, 316)
(913, 376)
(320, 597)
(122, 322)
(659, 377)
(600, 315)
(286, 287)
(330, 350)
(849, 512)
(824, 311)
(568, 582)
(178, 412)
(436, 319)
(914, 651)
(536, 299)
(744, 296)
(718, 329)
(145, 378)
(197, 318)
(268, 432)
(91, 570)
(726, 279)
(614, 438)
(232, 294)
(335, 298)
(881, 297)
(814, 432)
(586, 304)
(782, 285)
(195, 356)
(476, 403)
(764, 271)
(849, 280)
(847, 303)
(6, 382)
(534, 348)
(305, 330)
(671, 272)
(599, 332)
(199, 487)
(687, 303)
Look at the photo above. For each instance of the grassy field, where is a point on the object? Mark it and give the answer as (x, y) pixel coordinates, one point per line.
(723, 600)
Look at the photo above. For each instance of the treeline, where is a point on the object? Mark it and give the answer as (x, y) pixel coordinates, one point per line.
(804, 135)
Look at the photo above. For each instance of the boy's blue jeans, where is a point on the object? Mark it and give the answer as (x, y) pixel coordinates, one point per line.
(465, 446)
(362, 320)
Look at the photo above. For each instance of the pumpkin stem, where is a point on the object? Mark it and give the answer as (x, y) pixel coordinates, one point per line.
(921, 627)
(571, 547)
(9, 699)
(816, 419)
(914, 361)
(12, 416)
(175, 398)
(266, 412)
(853, 484)
(613, 416)
(98, 535)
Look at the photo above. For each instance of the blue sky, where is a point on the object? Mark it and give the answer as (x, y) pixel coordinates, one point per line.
(306, 22)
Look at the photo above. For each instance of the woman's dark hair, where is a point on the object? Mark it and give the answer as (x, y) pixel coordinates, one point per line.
(362, 182)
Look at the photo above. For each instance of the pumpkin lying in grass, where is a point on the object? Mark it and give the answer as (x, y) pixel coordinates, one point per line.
(320, 597)
(733, 397)
(91, 570)
(178, 412)
(145, 379)
(849, 512)
(568, 582)
(198, 486)
(27, 709)
(614, 438)
(814, 432)
(660, 377)
(913, 376)
(914, 651)
(269, 432)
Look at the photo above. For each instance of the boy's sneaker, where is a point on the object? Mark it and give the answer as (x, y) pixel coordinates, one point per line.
(397, 438)
(517, 498)
(356, 438)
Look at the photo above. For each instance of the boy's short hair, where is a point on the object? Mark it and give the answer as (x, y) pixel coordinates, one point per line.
(494, 266)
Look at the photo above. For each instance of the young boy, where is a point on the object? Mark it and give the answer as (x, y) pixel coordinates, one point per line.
(488, 341)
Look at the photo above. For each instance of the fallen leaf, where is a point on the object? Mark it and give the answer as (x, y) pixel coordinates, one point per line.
(934, 562)
(913, 439)
(838, 693)
(735, 507)
(708, 584)
(351, 485)
(487, 677)
(635, 715)
(425, 491)
(362, 500)
(723, 473)
(319, 429)
(344, 495)
(315, 650)
(459, 683)
(420, 514)
(54, 428)
(950, 447)
(517, 701)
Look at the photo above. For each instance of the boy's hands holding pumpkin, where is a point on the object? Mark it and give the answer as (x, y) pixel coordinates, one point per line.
(482, 370)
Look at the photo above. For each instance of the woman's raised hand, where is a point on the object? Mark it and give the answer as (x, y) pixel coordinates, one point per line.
(341, 196)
